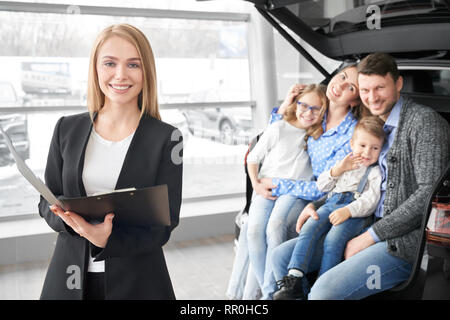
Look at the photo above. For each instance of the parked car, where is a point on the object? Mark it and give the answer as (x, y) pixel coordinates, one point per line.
(227, 125)
(14, 124)
(412, 32)
(230, 125)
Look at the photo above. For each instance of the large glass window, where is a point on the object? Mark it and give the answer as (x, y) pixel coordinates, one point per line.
(293, 68)
(203, 84)
(185, 5)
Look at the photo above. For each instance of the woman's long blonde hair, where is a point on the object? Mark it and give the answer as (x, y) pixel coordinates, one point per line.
(148, 98)
(316, 130)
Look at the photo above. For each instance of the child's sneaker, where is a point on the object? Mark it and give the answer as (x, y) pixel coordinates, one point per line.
(292, 288)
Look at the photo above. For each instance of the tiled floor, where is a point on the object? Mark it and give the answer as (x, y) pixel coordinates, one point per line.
(199, 269)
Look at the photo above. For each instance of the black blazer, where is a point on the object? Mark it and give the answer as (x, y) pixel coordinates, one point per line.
(135, 267)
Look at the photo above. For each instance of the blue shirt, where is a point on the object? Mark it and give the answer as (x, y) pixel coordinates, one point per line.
(331, 146)
(390, 127)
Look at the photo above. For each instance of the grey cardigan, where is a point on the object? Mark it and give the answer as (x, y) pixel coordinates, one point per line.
(419, 153)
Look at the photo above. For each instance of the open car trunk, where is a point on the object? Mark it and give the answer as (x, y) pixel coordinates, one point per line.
(350, 29)
(415, 33)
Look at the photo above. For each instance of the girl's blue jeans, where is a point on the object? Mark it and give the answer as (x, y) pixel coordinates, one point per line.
(336, 236)
(268, 224)
(243, 283)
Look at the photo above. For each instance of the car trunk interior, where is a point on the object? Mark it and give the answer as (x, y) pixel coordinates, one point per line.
(411, 31)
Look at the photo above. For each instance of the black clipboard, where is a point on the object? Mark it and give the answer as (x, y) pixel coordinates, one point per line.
(139, 207)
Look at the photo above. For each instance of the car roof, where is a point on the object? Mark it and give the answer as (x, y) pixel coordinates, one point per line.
(407, 29)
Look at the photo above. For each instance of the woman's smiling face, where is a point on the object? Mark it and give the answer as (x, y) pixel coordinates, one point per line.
(343, 87)
(119, 70)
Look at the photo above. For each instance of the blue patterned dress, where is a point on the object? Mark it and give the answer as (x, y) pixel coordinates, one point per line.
(331, 146)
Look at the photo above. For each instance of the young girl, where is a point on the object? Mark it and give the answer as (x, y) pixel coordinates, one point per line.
(353, 187)
(120, 143)
(283, 149)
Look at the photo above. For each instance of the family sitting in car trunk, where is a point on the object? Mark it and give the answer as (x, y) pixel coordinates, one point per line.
(356, 197)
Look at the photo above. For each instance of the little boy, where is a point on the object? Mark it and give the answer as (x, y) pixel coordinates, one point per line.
(354, 191)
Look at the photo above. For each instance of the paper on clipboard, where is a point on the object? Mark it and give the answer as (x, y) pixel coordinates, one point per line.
(29, 175)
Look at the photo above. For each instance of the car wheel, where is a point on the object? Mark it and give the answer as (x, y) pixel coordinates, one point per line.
(226, 132)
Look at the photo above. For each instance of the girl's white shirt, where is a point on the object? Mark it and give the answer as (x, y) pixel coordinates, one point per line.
(282, 147)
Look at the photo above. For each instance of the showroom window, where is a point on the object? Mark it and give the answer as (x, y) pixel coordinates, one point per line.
(292, 67)
(202, 64)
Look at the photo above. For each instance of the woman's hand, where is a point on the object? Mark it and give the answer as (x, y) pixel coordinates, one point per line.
(350, 162)
(308, 212)
(339, 215)
(97, 234)
(293, 92)
(264, 188)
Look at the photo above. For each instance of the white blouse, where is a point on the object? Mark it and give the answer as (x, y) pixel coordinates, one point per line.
(103, 162)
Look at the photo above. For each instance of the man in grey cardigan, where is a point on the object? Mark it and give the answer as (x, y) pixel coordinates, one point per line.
(413, 157)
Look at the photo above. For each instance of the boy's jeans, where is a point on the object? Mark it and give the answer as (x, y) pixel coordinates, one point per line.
(335, 239)
(368, 272)
(267, 228)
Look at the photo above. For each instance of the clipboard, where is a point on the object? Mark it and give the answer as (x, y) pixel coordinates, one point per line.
(138, 207)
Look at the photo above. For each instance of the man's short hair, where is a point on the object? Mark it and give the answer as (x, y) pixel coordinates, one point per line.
(379, 63)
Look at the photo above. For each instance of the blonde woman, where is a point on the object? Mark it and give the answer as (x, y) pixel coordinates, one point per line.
(120, 143)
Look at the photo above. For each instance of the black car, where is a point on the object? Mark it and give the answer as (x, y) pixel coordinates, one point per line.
(15, 125)
(415, 33)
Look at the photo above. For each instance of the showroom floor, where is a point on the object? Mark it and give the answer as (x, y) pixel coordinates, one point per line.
(199, 270)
